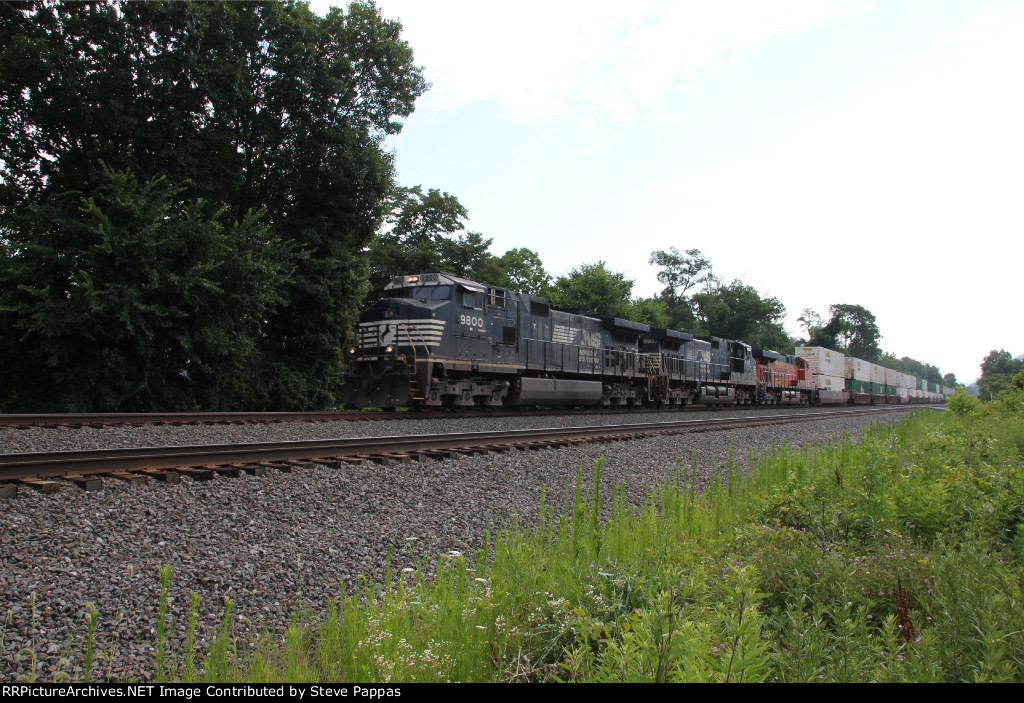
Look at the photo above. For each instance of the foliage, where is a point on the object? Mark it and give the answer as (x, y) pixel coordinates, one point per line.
(737, 311)
(997, 373)
(130, 299)
(962, 403)
(733, 311)
(900, 558)
(679, 273)
(426, 234)
(594, 290)
(650, 311)
(518, 269)
(244, 107)
(855, 331)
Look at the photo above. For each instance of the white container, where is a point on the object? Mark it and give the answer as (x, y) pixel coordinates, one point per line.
(857, 369)
(877, 374)
(823, 361)
(909, 381)
(903, 393)
(893, 378)
(829, 382)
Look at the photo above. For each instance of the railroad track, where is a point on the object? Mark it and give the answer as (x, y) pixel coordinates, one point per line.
(236, 418)
(48, 471)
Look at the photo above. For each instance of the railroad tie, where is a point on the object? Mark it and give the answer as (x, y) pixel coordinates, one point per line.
(168, 477)
(86, 483)
(436, 454)
(194, 473)
(41, 485)
(226, 470)
(337, 462)
(251, 469)
(276, 466)
(398, 458)
(131, 479)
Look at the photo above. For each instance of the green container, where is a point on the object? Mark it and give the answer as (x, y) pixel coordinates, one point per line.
(855, 386)
(891, 390)
(878, 388)
(920, 384)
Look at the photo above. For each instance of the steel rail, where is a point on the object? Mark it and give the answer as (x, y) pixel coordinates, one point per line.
(100, 461)
(79, 419)
(103, 419)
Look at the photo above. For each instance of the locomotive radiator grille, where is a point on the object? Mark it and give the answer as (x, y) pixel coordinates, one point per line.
(401, 334)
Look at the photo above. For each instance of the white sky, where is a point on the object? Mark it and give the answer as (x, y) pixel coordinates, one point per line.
(824, 151)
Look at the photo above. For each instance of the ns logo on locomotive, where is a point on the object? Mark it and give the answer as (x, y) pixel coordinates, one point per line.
(440, 340)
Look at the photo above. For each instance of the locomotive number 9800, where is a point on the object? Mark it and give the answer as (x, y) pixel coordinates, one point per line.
(471, 320)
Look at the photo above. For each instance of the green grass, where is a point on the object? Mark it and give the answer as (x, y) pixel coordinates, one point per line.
(900, 558)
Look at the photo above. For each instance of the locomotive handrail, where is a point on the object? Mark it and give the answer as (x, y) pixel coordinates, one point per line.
(415, 361)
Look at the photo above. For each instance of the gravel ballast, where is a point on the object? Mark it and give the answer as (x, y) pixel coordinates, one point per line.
(284, 543)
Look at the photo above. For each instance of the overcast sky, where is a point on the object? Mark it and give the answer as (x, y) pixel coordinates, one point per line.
(823, 151)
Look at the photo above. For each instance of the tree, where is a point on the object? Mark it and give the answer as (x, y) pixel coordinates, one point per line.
(997, 372)
(243, 106)
(425, 233)
(811, 322)
(517, 269)
(129, 299)
(650, 311)
(594, 290)
(949, 380)
(854, 330)
(737, 311)
(681, 273)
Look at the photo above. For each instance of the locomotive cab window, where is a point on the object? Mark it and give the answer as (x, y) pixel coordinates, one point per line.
(471, 298)
(495, 297)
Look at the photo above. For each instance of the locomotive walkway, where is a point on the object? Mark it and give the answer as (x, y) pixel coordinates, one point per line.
(48, 471)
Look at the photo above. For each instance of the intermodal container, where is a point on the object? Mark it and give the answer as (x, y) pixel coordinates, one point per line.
(877, 373)
(894, 378)
(857, 369)
(829, 383)
(855, 386)
(826, 362)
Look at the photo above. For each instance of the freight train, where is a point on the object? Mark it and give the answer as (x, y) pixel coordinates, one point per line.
(439, 340)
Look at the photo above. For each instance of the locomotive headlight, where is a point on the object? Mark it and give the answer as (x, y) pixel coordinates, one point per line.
(352, 351)
(388, 349)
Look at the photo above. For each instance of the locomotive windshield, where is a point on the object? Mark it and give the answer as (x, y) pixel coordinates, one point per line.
(420, 292)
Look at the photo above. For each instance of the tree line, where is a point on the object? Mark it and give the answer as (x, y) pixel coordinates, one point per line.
(426, 232)
(195, 202)
(185, 190)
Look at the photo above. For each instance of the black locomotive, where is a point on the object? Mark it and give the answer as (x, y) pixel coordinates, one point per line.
(437, 339)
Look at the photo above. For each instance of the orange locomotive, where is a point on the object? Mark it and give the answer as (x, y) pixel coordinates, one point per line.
(783, 379)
